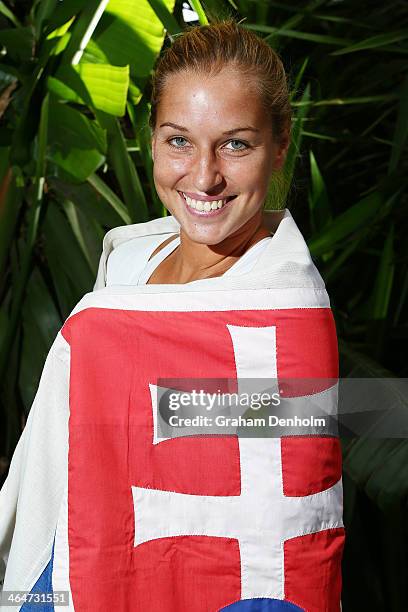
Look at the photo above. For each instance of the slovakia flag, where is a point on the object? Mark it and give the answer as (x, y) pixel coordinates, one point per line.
(196, 523)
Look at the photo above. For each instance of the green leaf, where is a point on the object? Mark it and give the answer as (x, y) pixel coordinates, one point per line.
(343, 226)
(107, 86)
(77, 144)
(215, 10)
(18, 42)
(298, 79)
(380, 468)
(31, 96)
(64, 13)
(93, 204)
(83, 232)
(69, 270)
(296, 34)
(197, 7)
(125, 169)
(377, 466)
(302, 14)
(374, 42)
(10, 208)
(135, 94)
(340, 20)
(63, 91)
(61, 31)
(99, 85)
(351, 100)
(42, 10)
(69, 257)
(403, 293)
(8, 74)
(106, 192)
(129, 33)
(401, 129)
(82, 30)
(320, 213)
(165, 16)
(141, 127)
(4, 10)
(384, 280)
(281, 181)
(41, 323)
(337, 264)
(33, 217)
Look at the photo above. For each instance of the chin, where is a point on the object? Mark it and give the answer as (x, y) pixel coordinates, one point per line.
(201, 238)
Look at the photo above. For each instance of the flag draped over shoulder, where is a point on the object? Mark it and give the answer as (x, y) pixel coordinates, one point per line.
(97, 505)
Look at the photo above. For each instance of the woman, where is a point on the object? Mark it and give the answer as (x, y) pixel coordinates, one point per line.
(99, 503)
(234, 137)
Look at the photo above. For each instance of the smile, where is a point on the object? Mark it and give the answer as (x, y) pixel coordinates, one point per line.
(205, 208)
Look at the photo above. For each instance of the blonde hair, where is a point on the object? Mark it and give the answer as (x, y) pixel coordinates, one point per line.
(209, 48)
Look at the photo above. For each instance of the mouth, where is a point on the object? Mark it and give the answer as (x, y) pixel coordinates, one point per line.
(205, 208)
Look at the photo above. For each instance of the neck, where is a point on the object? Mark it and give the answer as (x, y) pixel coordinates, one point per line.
(193, 261)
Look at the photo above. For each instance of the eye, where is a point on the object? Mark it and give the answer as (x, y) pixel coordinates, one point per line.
(242, 148)
(179, 142)
(177, 138)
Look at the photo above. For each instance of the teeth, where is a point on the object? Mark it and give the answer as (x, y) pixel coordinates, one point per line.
(204, 206)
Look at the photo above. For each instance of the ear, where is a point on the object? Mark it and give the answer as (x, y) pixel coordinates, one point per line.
(153, 145)
(282, 151)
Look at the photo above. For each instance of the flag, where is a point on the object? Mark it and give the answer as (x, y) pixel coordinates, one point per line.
(195, 523)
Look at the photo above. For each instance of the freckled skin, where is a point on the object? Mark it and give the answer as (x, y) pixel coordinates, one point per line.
(207, 162)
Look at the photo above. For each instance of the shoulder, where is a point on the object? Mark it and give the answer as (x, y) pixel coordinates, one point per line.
(287, 256)
(127, 261)
(131, 243)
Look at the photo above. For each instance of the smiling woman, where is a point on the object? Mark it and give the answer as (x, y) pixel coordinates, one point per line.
(220, 123)
(220, 119)
(101, 502)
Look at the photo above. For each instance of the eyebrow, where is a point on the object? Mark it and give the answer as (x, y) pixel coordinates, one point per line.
(181, 128)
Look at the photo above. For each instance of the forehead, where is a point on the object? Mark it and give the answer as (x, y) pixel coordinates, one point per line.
(213, 101)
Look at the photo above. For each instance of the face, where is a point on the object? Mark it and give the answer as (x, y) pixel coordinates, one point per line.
(213, 148)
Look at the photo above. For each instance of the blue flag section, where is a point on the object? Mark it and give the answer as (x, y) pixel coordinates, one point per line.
(263, 604)
(42, 587)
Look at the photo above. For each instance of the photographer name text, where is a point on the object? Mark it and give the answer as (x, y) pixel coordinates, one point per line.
(242, 421)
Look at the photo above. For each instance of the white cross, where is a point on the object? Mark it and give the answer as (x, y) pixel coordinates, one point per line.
(262, 517)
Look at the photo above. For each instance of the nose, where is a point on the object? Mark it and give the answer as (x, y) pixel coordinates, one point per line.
(207, 173)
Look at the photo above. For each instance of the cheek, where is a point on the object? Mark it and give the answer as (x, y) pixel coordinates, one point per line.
(261, 163)
(252, 175)
(255, 163)
(167, 169)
